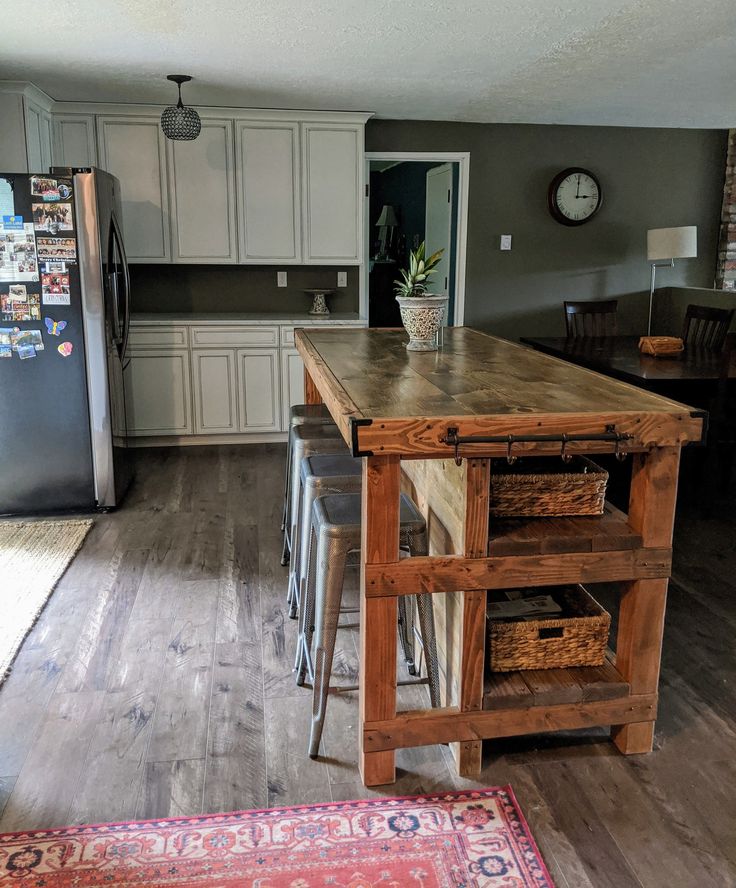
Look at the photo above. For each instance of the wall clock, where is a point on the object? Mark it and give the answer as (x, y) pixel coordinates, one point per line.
(574, 196)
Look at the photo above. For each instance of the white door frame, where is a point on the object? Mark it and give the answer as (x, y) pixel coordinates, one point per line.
(462, 158)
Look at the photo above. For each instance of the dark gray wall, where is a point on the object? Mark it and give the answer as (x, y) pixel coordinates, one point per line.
(232, 288)
(670, 305)
(650, 178)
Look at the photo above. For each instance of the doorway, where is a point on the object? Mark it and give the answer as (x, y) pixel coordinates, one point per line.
(414, 198)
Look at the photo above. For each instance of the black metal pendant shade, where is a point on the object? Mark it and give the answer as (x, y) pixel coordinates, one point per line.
(179, 123)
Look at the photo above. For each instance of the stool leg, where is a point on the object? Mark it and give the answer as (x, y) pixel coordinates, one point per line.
(287, 479)
(296, 502)
(306, 613)
(331, 557)
(300, 557)
(429, 642)
(406, 631)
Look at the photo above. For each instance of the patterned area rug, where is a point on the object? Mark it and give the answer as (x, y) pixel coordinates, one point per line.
(472, 839)
(33, 556)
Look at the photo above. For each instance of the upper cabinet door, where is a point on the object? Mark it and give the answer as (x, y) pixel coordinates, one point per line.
(331, 193)
(134, 150)
(203, 195)
(74, 140)
(267, 163)
(38, 138)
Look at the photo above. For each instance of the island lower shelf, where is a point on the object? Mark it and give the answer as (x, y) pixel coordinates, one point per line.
(546, 687)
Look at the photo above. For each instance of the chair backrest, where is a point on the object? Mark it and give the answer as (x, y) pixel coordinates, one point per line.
(706, 327)
(591, 318)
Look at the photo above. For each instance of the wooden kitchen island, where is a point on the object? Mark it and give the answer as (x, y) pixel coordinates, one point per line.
(429, 423)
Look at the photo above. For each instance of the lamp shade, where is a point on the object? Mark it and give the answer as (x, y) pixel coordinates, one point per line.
(388, 217)
(672, 243)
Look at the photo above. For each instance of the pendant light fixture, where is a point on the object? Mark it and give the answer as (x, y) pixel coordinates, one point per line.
(180, 124)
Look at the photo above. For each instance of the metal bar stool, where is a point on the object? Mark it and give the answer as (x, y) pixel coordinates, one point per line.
(319, 474)
(305, 440)
(299, 414)
(336, 532)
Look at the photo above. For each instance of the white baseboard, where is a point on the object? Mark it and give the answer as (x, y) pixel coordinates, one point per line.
(195, 440)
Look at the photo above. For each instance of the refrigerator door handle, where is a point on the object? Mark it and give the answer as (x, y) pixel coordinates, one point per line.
(126, 289)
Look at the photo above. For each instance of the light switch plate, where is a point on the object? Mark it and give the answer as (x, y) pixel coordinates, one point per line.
(505, 241)
(342, 279)
(281, 279)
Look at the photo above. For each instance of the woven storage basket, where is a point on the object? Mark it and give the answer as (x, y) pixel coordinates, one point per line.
(547, 487)
(577, 638)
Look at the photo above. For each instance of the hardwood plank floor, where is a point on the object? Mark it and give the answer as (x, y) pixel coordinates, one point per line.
(157, 682)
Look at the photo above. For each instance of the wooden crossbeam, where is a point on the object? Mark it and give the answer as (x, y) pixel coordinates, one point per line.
(424, 727)
(449, 573)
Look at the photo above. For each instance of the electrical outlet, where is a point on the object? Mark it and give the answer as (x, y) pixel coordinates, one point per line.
(505, 241)
(281, 279)
(342, 279)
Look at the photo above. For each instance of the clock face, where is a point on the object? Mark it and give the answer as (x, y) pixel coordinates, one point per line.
(574, 196)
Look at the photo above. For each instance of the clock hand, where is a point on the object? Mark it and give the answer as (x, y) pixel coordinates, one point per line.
(577, 193)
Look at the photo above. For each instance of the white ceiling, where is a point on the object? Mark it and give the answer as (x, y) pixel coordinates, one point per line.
(615, 62)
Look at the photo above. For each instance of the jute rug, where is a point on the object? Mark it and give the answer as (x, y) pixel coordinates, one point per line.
(467, 839)
(33, 556)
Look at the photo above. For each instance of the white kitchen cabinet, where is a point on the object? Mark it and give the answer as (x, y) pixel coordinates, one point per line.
(202, 186)
(133, 149)
(292, 383)
(158, 393)
(38, 137)
(331, 193)
(267, 164)
(74, 140)
(214, 379)
(259, 391)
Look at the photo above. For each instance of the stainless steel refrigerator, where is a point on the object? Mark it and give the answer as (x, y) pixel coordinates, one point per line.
(64, 320)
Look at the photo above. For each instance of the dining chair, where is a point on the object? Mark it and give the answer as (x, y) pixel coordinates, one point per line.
(591, 319)
(706, 327)
(723, 412)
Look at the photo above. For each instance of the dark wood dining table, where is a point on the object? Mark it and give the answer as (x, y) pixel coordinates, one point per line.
(691, 377)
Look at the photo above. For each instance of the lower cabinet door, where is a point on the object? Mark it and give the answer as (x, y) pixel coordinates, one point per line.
(158, 394)
(215, 391)
(259, 392)
(292, 383)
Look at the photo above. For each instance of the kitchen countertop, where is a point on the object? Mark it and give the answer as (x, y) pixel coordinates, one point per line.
(296, 318)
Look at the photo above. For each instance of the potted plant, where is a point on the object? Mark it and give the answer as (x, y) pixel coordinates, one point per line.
(422, 313)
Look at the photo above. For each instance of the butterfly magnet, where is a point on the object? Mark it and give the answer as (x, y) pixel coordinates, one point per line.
(53, 327)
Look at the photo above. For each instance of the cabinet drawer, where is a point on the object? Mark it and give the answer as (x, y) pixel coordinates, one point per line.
(235, 336)
(157, 336)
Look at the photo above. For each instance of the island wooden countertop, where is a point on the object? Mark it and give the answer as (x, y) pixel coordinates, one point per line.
(389, 401)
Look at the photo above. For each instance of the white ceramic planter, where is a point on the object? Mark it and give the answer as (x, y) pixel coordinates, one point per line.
(422, 317)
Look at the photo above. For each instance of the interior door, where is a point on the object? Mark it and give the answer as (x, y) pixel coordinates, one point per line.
(438, 228)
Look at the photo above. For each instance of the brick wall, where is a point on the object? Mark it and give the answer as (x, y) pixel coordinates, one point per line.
(726, 267)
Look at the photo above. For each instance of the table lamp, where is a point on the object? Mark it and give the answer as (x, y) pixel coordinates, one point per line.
(387, 221)
(669, 244)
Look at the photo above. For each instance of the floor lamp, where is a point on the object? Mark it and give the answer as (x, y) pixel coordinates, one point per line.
(669, 244)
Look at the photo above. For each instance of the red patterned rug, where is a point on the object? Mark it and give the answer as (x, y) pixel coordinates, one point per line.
(453, 840)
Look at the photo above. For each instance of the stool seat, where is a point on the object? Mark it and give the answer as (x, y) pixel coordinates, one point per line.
(331, 465)
(309, 413)
(338, 515)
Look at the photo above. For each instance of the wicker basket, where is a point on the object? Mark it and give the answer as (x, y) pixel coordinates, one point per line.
(576, 638)
(547, 487)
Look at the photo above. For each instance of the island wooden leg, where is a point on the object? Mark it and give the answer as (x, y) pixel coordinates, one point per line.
(641, 614)
(469, 755)
(377, 670)
(311, 392)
